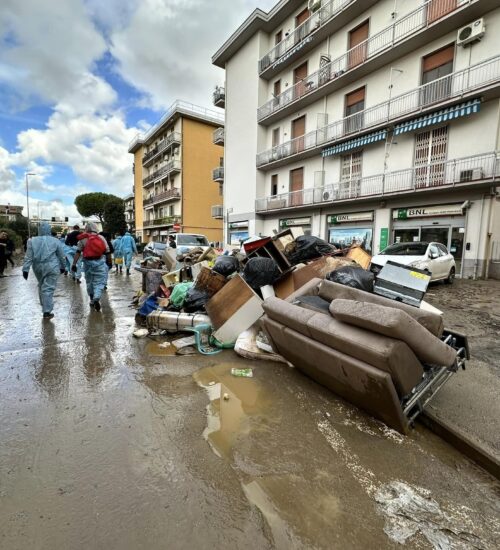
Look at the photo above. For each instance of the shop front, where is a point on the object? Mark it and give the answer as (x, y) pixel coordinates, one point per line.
(345, 230)
(443, 224)
(304, 223)
(238, 232)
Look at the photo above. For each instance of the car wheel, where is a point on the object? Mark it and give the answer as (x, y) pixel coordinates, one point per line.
(451, 277)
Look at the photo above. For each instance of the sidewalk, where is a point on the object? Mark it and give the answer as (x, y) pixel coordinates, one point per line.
(468, 406)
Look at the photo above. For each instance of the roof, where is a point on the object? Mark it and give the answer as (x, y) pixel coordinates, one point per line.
(258, 20)
(178, 109)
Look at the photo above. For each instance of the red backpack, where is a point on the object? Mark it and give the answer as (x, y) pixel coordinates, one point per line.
(95, 246)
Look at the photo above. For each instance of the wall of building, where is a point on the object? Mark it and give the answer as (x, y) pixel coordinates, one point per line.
(138, 192)
(199, 191)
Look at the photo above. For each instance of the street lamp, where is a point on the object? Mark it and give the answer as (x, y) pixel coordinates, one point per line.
(26, 174)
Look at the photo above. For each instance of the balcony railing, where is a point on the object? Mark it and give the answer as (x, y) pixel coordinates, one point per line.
(169, 220)
(172, 139)
(171, 194)
(219, 96)
(218, 174)
(302, 32)
(172, 166)
(467, 170)
(446, 88)
(217, 212)
(218, 136)
(386, 39)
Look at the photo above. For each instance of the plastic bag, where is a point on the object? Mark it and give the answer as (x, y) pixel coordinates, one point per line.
(149, 305)
(355, 277)
(308, 247)
(226, 265)
(260, 272)
(195, 300)
(179, 294)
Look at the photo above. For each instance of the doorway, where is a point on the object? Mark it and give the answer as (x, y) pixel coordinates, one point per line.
(298, 131)
(296, 186)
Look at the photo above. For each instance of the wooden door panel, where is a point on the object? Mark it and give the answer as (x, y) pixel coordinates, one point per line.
(358, 46)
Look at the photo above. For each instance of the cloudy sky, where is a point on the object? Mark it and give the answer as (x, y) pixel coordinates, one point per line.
(80, 78)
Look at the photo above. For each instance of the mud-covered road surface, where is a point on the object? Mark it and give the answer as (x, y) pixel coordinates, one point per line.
(106, 444)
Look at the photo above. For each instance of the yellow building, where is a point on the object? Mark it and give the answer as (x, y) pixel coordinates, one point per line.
(178, 174)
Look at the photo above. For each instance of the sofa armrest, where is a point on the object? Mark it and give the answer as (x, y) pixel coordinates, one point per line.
(309, 289)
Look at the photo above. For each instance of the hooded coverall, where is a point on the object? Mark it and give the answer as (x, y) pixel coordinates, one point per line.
(96, 270)
(117, 243)
(128, 249)
(45, 255)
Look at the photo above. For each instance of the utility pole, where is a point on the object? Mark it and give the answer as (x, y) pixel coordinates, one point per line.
(26, 174)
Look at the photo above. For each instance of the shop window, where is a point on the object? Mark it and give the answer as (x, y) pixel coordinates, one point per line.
(354, 111)
(430, 157)
(350, 176)
(358, 44)
(436, 75)
(274, 185)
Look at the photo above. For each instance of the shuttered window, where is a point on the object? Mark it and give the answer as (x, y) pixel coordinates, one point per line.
(430, 157)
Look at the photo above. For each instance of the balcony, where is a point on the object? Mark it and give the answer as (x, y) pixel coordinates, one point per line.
(172, 140)
(174, 166)
(456, 173)
(162, 222)
(482, 78)
(218, 174)
(332, 16)
(421, 24)
(171, 194)
(220, 97)
(218, 212)
(218, 136)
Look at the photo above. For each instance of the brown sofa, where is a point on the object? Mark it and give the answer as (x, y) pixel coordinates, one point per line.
(370, 350)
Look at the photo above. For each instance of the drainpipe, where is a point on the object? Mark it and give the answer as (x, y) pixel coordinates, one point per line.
(465, 240)
(476, 262)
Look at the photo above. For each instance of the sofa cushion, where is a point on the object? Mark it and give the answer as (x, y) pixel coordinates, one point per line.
(289, 315)
(394, 323)
(382, 352)
(332, 291)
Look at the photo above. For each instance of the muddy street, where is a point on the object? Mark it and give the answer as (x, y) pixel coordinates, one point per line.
(109, 443)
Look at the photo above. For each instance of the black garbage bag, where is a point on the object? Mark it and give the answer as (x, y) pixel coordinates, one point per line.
(195, 300)
(355, 277)
(260, 272)
(226, 265)
(308, 247)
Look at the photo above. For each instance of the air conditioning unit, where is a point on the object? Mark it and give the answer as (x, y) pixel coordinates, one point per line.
(472, 174)
(314, 5)
(327, 195)
(471, 33)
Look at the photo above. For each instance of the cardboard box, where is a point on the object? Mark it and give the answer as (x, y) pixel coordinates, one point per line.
(360, 256)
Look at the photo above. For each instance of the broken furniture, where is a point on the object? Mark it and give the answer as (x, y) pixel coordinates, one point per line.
(384, 356)
(402, 283)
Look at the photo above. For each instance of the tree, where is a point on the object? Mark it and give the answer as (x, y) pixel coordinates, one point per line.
(57, 229)
(93, 204)
(114, 216)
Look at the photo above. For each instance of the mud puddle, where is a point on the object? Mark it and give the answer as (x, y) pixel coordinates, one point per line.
(160, 349)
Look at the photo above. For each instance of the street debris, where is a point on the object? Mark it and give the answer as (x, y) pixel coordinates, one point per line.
(242, 373)
(141, 333)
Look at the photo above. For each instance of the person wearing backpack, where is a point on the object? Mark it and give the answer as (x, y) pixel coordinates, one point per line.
(96, 262)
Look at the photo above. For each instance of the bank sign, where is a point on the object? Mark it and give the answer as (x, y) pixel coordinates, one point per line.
(346, 218)
(427, 211)
(295, 222)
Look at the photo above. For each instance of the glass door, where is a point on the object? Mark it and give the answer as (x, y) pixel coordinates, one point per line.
(409, 235)
(435, 234)
(457, 246)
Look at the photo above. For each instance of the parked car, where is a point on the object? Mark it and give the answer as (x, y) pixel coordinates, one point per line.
(432, 257)
(190, 240)
(154, 249)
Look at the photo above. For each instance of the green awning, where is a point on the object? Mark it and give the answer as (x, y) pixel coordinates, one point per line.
(354, 143)
(450, 113)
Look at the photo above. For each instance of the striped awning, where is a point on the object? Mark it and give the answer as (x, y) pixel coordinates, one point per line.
(354, 143)
(457, 111)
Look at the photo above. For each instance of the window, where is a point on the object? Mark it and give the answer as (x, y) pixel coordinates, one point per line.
(276, 137)
(436, 75)
(278, 37)
(350, 177)
(430, 157)
(299, 80)
(274, 185)
(442, 250)
(358, 44)
(171, 210)
(298, 131)
(277, 88)
(439, 8)
(296, 186)
(354, 105)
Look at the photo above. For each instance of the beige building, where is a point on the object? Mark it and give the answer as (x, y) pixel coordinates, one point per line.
(177, 175)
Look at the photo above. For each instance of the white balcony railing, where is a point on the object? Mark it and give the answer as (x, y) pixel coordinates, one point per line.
(172, 139)
(303, 32)
(172, 166)
(474, 169)
(423, 97)
(218, 136)
(386, 39)
(218, 174)
(217, 212)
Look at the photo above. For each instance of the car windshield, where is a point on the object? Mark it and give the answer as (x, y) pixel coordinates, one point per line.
(406, 249)
(160, 246)
(192, 240)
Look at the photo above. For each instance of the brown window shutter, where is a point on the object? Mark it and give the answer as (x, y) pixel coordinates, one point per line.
(278, 38)
(436, 59)
(355, 97)
(277, 88)
(358, 35)
(301, 17)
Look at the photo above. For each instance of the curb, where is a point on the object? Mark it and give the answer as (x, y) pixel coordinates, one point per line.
(462, 443)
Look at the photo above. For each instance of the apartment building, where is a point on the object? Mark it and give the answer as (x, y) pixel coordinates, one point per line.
(10, 212)
(129, 206)
(367, 121)
(174, 170)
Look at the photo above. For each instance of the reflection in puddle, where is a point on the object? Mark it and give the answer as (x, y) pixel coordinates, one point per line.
(157, 349)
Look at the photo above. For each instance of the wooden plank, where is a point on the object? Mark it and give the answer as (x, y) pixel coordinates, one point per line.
(248, 314)
(223, 305)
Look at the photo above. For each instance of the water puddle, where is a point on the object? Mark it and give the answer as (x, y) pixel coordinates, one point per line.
(233, 402)
(157, 349)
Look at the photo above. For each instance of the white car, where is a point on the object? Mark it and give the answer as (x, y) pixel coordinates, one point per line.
(431, 257)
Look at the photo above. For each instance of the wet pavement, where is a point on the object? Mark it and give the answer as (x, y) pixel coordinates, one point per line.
(109, 442)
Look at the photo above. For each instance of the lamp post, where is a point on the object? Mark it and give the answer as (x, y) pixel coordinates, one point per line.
(26, 174)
